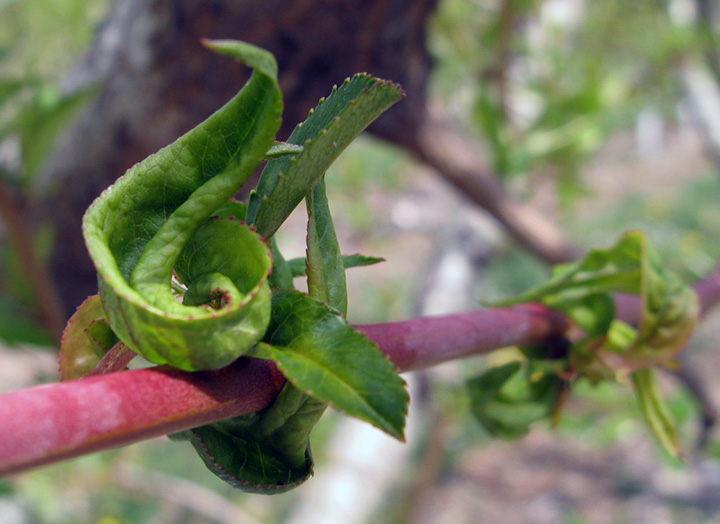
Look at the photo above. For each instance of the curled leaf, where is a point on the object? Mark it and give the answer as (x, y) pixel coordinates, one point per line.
(156, 220)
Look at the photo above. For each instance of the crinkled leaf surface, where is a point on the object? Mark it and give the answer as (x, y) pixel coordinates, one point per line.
(137, 230)
(328, 130)
(269, 451)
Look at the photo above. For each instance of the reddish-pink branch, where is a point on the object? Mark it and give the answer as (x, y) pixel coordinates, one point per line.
(49, 423)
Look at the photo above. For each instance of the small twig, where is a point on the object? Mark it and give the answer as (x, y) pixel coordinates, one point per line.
(42, 286)
(116, 359)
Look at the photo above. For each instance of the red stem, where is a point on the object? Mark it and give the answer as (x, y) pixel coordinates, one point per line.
(49, 423)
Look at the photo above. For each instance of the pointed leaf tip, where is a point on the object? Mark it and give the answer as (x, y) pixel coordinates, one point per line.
(250, 55)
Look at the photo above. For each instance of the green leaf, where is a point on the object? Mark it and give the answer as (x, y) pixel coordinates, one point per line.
(357, 260)
(158, 213)
(584, 291)
(298, 266)
(282, 275)
(325, 270)
(327, 359)
(611, 349)
(654, 410)
(266, 452)
(327, 131)
(83, 345)
(507, 399)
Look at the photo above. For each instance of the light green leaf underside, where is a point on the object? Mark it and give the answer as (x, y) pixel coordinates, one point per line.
(137, 229)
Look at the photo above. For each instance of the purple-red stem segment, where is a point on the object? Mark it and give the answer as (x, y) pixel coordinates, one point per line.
(49, 423)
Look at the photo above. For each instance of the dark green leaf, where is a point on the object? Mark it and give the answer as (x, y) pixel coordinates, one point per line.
(329, 360)
(324, 135)
(325, 270)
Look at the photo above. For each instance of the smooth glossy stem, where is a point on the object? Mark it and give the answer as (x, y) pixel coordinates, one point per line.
(425, 342)
(49, 423)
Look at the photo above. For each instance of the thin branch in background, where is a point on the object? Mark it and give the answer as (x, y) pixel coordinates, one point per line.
(183, 493)
(498, 70)
(443, 148)
(705, 21)
(694, 383)
(46, 300)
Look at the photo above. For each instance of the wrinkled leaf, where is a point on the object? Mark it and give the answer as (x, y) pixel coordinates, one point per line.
(138, 229)
(654, 410)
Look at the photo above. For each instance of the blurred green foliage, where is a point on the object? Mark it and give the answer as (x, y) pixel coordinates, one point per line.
(42, 39)
(544, 84)
(39, 41)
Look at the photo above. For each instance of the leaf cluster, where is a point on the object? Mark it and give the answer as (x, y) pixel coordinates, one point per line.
(191, 278)
(508, 398)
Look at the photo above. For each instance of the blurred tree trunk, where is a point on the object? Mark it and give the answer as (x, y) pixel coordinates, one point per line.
(157, 81)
